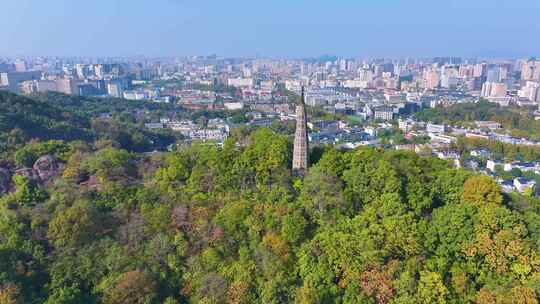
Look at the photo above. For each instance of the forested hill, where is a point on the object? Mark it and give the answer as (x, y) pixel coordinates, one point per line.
(92, 120)
(89, 222)
(36, 119)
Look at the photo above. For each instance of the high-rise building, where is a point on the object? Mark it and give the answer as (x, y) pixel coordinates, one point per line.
(365, 75)
(449, 82)
(20, 65)
(27, 87)
(115, 89)
(46, 86)
(342, 65)
(240, 82)
(99, 71)
(504, 72)
(530, 70)
(12, 79)
(494, 75)
(431, 79)
(85, 89)
(493, 89)
(83, 71)
(6, 67)
(479, 70)
(498, 90)
(466, 71)
(301, 148)
(64, 86)
(486, 89)
(530, 91)
(383, 113)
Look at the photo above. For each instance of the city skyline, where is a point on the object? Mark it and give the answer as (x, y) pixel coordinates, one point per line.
(166, 28)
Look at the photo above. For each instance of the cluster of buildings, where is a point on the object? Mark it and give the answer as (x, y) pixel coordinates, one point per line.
(519, 184)
(377, 89)
(337, 83)
(439, 140)
(443, 136)
(341, 133)
(486, 130)
(80, 77)
(215, 130)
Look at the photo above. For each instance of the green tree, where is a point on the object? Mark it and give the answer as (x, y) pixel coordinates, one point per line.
(76, 225)
(431, 288)
(482, 190)
(65, 295)
(321, 197)
(133, 287)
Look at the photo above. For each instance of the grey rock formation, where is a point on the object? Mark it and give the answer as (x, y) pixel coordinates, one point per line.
(47, 167)
(29, 173)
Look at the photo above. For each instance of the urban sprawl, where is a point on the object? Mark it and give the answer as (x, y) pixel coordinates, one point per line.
(351, 102)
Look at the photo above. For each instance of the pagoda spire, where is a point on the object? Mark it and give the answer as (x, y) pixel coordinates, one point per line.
(301, 148)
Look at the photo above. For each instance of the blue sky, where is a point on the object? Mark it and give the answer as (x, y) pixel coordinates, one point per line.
(278, 28)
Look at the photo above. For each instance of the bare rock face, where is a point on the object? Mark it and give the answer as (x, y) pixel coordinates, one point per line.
(5, 180)
(92, 183)
(29, 173)
(150, 166)
(47, 167)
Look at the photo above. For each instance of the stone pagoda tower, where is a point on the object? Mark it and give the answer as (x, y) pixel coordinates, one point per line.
(300, 154)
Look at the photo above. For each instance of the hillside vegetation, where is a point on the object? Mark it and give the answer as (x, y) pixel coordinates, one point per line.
(61, 117)
(87, 222)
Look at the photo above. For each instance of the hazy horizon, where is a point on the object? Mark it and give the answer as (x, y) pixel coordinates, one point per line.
(300, 29)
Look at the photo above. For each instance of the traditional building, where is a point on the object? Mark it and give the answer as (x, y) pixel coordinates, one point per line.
(300, 154)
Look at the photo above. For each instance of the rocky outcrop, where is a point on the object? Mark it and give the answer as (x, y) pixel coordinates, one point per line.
(92, 183)
(44, 170)
(29, 173)
(48, 167)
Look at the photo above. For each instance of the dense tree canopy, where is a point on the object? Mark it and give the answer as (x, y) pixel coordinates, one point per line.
(61, 117)
(231, 224)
